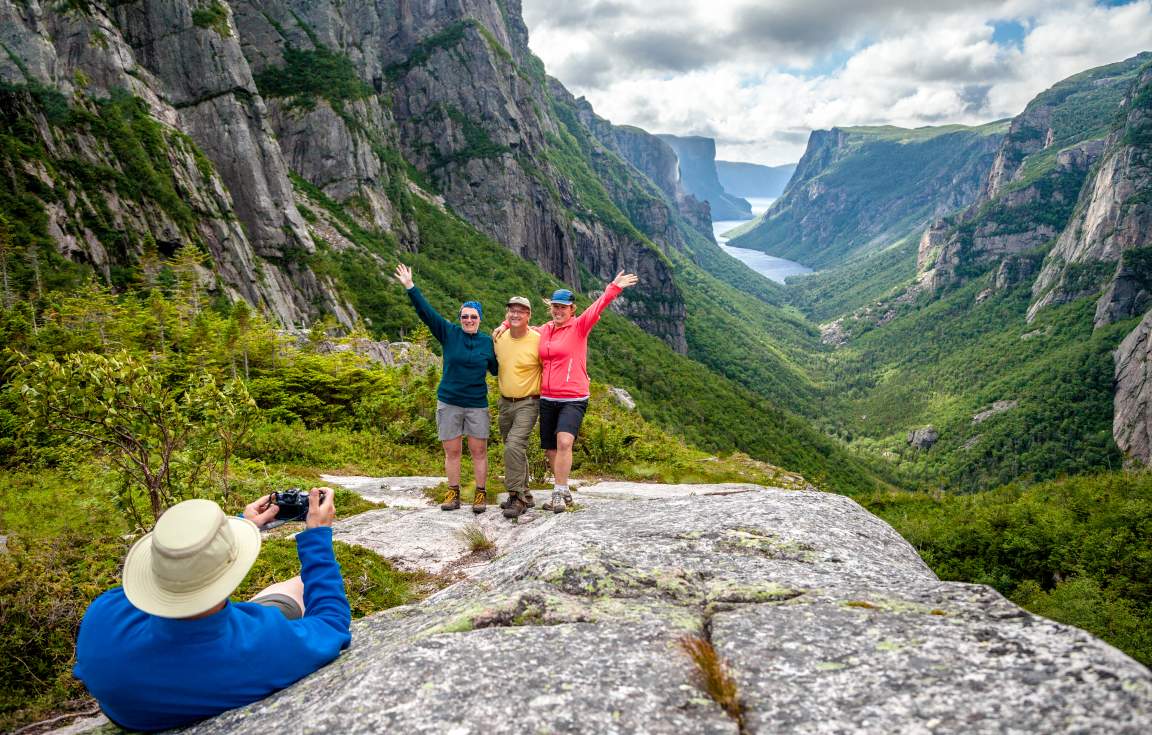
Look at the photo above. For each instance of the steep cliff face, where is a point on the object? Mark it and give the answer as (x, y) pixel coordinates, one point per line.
(1109, 239)
(697, 158)
(651, 157)
(142, 126)
(1132, 404)
(1030, 192)
(860, 189)
(454, 90)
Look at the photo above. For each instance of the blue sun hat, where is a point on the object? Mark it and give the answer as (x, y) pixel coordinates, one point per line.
(562, 296)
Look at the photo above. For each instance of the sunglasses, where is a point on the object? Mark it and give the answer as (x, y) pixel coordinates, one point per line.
(469, 316)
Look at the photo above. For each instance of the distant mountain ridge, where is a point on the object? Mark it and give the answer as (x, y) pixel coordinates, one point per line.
(754, 179)
(860, 188)
(699, 175)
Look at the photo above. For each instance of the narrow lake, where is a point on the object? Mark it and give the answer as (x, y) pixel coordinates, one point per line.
(769, 266)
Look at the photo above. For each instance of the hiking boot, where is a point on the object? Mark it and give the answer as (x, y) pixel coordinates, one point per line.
(515, 507)
(480, 500)
(452, 500)
(556, 504)
(526, 497)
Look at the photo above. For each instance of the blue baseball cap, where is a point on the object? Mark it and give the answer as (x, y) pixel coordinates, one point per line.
(562, 296)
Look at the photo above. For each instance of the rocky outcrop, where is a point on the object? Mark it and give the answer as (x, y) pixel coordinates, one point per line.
(826, 215)
(210, 141)
(1113, 217)
(826, 618)
(1132, 399)
(1029, 194)
(697, 163)
(923, 438)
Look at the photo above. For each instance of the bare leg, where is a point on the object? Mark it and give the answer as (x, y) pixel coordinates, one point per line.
(294, 588)
(452, 451)
(561, 458)
(478, 448)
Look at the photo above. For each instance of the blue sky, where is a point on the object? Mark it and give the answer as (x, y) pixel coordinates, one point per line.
(759, 75)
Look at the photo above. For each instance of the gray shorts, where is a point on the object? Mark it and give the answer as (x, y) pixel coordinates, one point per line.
(281, 602)
(456, 421)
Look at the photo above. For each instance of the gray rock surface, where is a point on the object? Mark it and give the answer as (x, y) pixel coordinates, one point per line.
(1132, 397)
(828, 620)
(923, 438)
(623, 397)
(997, 407)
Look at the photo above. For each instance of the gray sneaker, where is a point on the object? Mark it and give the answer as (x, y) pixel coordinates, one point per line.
(556, 504)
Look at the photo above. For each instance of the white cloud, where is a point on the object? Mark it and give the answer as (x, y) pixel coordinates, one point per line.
(752, 74)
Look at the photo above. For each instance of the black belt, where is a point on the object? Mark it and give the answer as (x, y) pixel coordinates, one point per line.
(513, 400)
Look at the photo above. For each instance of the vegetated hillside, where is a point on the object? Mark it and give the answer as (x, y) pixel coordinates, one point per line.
(1030, 192)
(1047, 388)
(862, 188)
(355, 145)
(754, 179)
(968, 334)
(1075, 550)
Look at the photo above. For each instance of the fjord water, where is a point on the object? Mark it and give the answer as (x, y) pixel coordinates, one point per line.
(769, 266)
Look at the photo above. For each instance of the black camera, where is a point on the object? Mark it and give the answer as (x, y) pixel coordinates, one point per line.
(293, 504)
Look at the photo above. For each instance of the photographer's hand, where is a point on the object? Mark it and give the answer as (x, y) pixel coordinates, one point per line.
(321, 513)
(261, 510)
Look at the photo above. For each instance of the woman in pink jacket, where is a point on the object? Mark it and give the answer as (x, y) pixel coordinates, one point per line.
(564, 388)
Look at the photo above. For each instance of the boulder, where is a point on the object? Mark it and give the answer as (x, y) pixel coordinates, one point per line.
(923, 438)
(827, 619)
(623, 397)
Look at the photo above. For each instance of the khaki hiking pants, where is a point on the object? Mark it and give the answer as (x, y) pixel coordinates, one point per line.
(517, 417)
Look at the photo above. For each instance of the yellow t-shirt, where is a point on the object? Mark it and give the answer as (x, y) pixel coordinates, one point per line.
(519, 364)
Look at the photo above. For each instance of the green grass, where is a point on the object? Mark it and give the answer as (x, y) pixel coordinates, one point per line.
(309, 75)
(213, 16)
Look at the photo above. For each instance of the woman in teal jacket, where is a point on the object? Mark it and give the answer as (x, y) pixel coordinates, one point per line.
(462, 396)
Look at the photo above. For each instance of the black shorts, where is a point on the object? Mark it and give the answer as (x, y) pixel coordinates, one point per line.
(556, 416)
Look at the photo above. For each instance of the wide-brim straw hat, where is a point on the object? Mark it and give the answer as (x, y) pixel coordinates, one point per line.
(193, 559)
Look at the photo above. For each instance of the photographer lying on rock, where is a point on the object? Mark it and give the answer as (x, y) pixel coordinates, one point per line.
(168, 648)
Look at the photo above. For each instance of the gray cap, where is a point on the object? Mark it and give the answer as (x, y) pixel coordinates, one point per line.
(520, 301)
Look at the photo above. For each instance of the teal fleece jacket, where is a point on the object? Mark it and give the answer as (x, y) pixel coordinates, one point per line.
(467, 357)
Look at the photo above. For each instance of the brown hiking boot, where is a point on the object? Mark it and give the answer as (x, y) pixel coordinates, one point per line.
(452, 500)
(480, 500)
(526, 497)
(515, 506)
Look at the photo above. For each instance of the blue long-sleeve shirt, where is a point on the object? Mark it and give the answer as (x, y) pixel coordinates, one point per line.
(153, 673)
(467, 357)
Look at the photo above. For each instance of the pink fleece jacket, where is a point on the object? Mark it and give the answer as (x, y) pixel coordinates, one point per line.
(564, 351)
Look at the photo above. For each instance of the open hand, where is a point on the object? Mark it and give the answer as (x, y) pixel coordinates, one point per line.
(404, 275)
(499, 330)
(624, 280)
(321, 513)
(261, 511)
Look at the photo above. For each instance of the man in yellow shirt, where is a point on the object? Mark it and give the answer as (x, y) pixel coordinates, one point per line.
(518, 352)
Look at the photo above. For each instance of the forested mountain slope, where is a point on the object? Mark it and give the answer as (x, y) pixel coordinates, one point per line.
(858, 189)
(306, 146)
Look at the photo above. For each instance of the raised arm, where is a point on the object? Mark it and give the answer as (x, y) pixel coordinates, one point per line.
(591, 315)
(437, 324)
